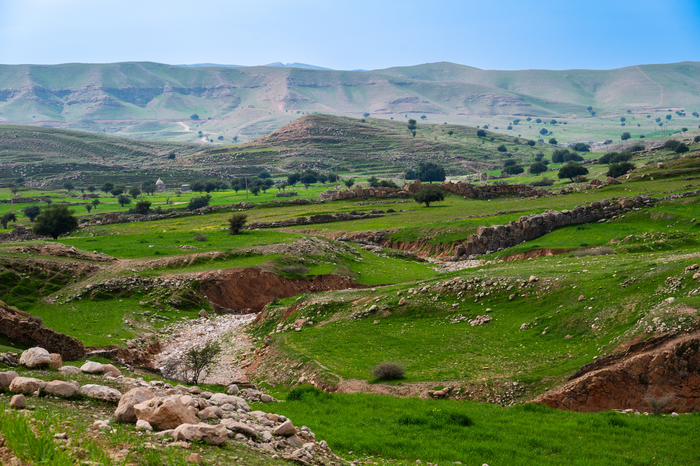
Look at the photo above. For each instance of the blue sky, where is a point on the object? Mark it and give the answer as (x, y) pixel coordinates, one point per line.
(359, 34)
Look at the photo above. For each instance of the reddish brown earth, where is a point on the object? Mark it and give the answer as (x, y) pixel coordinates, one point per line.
(248, 290)
(663, 367)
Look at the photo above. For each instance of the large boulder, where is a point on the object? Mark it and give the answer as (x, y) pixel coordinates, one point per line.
(26, 385)
(125, 410)
(35, 357)
(61, 388)
(91, 367)
(286, 429)
(6, 378)
(164, 413)
(215, 435)
(100, 392)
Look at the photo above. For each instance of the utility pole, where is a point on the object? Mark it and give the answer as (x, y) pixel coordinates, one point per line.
(12, 201)
(246, 186)
(336, 177)
(141, 189)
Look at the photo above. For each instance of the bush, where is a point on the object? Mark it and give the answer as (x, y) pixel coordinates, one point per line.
(197, 359)
(513, 170)
(236, 222)
(428, 171)
(581, 179)
(481, 133)
(625, 136)
(594, 252)
(581, 147)
(55, 221)
(199, 202)
(537, 168)
(199, 236)
(696, 139)
(542, 182)
(637, 148)
(389, 371)
(658, 403)
(501, 148)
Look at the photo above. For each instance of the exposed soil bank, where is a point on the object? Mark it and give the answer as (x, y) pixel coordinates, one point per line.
(248, 290)
(18, 326)
(646, 372)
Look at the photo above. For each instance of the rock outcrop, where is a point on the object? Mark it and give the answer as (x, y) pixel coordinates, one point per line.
(666, 377)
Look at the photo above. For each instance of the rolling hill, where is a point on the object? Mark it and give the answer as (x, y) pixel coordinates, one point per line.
(157, 101)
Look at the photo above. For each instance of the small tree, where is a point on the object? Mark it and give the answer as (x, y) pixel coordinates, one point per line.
(625, 136)
(194, 116)
(682, 148)
(571, 170)
(428, 171)
(481, 133)
(142, 207)
(117, 191)
(537, 168)
(429, 194)
(553, 142)
(8, 217)
(55, 221)
(108, 187)
(501, 148)
(134, 192)
(69, 186)
(349, 182)
(619, 169)
(149, 187)
(198, 202)
(123, 199)
(531, 143)
(255, 189)
(95, 203)
(91, 188)
(32, 212)
(450, 132)
(264, 175)
(197, 359)
(696, 139)
(88, 207)
(307, 179)
(236, 222)
(411, 125)
(366, 114)
(293, 178)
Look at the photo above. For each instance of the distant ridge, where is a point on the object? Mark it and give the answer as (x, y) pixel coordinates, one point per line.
(276, 64)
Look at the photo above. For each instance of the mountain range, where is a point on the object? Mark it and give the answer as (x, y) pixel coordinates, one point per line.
(156, 100)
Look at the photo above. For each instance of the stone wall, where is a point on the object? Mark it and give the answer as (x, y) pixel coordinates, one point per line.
(359, 191)
(18, 326)
(493, 190)
(17, 234)
(498, 237)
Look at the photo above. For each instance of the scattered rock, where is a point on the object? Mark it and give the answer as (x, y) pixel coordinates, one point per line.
(143, 425)
(56, 361)
(6, 378)
(125, 410)
(61, 388)
(26, 385)
(17, 402)
(203, 314)
(69, 370)
(164, 413)
(100, 392)
(214, 435)
(110, 370)
(240, 428)
(91, 367)
(35, 357)
(194, 458)
(232, 389)
(285, 429)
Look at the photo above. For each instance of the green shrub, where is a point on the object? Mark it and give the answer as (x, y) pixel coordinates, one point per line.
(236, 222)
(298, 393)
